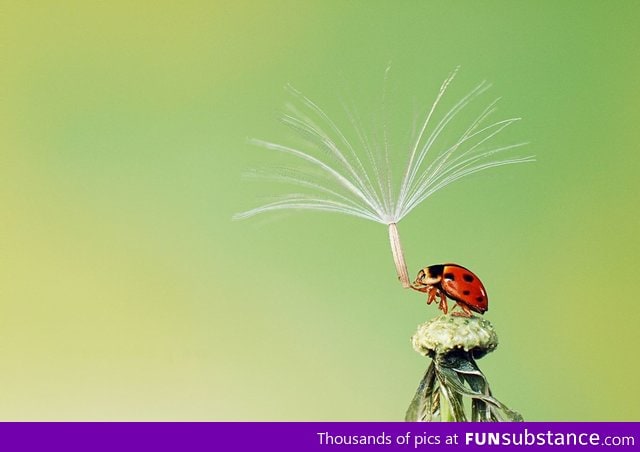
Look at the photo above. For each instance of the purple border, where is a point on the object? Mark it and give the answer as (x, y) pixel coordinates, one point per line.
(304, 436)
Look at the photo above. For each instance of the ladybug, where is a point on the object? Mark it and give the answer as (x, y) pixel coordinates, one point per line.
(456, 282)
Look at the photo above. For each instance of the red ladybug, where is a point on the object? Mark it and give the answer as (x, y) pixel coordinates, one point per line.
(455, 282)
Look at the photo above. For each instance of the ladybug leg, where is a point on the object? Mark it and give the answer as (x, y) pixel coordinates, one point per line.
(418, 287)
(466, 312)
(431, 294)
(424, 288)
(443, 306)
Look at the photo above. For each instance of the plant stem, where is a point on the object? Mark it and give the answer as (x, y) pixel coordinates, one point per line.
(398, 256)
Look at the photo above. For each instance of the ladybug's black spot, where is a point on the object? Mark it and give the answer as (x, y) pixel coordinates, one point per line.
(465, 292)
(449, 277)
(480, 299)
(467, 277)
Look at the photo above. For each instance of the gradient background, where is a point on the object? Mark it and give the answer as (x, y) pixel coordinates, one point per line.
(127, 293)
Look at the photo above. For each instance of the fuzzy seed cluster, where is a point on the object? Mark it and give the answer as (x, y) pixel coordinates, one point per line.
(446, 332)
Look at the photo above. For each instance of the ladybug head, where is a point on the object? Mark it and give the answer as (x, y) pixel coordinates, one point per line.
(429, 275)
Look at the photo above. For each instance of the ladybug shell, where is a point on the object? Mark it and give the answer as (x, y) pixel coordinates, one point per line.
(461, 285)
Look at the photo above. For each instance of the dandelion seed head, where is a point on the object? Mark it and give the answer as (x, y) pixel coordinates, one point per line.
(356, 173)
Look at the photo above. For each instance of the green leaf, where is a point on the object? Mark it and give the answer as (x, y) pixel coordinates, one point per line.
(422, 406)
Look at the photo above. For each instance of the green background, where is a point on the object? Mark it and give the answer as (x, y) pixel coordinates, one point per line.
(127, 293)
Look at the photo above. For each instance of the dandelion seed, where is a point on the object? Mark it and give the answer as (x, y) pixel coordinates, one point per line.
(335, 174)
